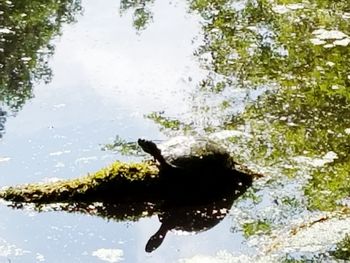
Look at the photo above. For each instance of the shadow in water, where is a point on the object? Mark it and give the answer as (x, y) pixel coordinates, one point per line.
(192, 218)
(196, 206)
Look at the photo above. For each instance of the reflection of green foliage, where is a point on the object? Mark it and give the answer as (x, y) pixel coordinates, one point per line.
(342, 250)
(257, 44)
(26, 29)
(297, 52)
(275, 43)
(298, 124)
(279, 45)
(123, 147)
(167, 123)
(290, 201)
(142, 14)
(255, 228)
(328, 185)
(252, 195)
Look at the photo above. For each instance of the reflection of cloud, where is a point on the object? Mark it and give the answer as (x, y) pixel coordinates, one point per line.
(109, 255)
(137, 71)
(4, 159)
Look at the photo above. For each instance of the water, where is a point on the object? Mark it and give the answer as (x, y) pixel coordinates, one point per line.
(259, 78)
(105, 78)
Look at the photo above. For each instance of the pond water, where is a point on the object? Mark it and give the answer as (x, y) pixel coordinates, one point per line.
(105, 78)
(269, 80)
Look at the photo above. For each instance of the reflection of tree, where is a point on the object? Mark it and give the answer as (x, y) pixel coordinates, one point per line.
(300, 53)
(265, 42)
(302, 49)
(142, 14)
(26, 29)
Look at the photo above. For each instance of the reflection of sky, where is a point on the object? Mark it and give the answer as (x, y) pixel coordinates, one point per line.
(105, 78)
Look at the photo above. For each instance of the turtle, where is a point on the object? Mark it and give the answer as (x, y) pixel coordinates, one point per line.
(187, 153)
(194, 168)
(197, 174)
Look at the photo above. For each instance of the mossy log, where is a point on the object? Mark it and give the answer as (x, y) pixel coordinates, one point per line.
(119, 180)
(132, 182)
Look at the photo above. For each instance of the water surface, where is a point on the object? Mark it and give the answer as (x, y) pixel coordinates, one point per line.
(270, 80)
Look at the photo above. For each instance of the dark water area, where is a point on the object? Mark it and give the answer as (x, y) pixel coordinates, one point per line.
(267, 80)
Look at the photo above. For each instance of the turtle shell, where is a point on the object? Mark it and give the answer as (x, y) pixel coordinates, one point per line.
(189, 152)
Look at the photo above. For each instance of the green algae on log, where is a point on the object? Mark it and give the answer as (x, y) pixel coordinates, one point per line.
(118, 180)
(133, 182)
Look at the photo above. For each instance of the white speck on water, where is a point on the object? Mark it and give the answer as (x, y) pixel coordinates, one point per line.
(59, 153)
(343, 42)
(39, 257)
(283, 118)
(347, 130)
(59, 165)
(4, 159)
(335, 87)
(292, 124)
(57, 106)
(282, 9)
(7, 249)
(317, 41)
(338, 37)
(226, 134)
(317, 162)
(5, 31)
(85, 160)
(25, 59)
(329, 34)
(328, 46)
(295, 6)
(109, 255)
(51, 179)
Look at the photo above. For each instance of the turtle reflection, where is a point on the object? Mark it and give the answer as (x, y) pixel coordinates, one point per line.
(193, 218)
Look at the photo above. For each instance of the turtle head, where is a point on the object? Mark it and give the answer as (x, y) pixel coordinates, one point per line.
(157, 239)
(152, 149)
